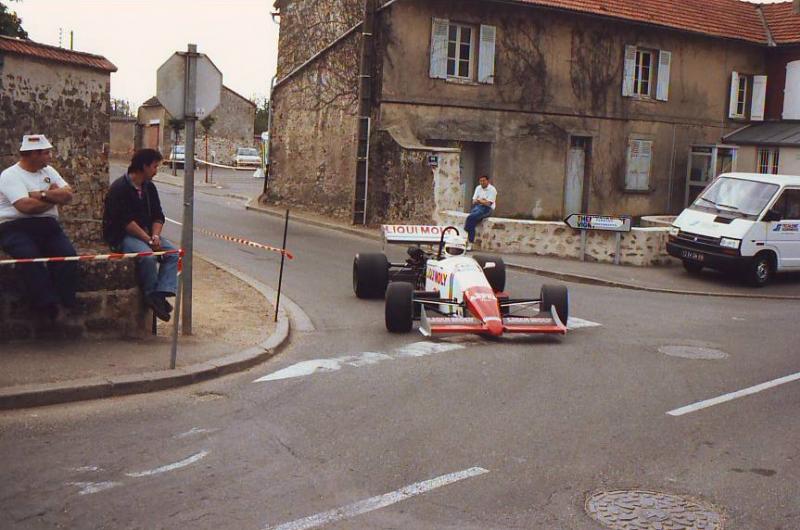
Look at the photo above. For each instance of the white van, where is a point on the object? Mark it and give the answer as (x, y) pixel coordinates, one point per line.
(744, 222)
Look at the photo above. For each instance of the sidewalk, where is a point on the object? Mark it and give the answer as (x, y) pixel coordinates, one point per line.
(672, 279)
(233, 329)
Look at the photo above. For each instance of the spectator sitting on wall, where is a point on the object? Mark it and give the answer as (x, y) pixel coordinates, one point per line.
(132, 222)
(30, 192)
(483, 203)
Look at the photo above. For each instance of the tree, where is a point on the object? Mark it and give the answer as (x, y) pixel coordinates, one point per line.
(10, 23)
(121, 108)
(262, 115)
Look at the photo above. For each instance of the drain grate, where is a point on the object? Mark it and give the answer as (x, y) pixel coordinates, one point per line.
(693, 352)
(647, 510)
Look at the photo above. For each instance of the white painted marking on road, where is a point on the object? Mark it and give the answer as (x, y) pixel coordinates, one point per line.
(734, 395)
(578, 323)
(173, 221)
(304, 368)
(368, 358)
(170, 467)
(87, 488)
(87, 469)
(421, 349)
(378, 502)
(193, 431)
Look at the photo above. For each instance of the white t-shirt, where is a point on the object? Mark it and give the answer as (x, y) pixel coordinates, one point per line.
(489, 194)
(16, 183)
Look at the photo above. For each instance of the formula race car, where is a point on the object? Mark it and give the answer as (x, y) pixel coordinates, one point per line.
(466, 293)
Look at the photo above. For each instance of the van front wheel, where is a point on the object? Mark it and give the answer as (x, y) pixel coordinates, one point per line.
(761, 270)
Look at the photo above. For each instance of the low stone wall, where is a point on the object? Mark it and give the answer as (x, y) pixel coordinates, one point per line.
(109, 305)
(640, 247)
(657, 221)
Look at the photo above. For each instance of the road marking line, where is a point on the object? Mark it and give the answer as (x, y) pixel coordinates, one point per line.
(170, 467)
(734, 395)
(193, 431)
(378, 502)
(87, 488)
(173, 221)
(577, 323)
(421, 349)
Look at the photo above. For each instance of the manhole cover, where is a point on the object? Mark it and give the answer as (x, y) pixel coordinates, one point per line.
(693, 352)
(647, 510)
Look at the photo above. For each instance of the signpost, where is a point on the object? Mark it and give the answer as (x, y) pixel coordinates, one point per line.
(189, 87)
(604, 223)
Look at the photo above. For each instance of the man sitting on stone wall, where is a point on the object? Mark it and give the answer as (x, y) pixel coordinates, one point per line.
(132, 222)
(483, 203)
(30, 192)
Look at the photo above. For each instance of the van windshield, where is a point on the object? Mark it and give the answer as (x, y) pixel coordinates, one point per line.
(736, 197)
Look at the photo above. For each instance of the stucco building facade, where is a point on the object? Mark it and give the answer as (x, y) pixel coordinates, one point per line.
(569, 106)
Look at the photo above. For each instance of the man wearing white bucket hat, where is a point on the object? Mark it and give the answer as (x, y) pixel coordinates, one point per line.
(30, 193)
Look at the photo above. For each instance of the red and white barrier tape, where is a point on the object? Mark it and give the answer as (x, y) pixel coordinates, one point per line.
(246, 242)
(93, 257)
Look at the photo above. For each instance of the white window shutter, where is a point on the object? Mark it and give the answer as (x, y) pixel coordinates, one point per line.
(664, 63)
(630, 70)
(439, 30)
(759, 98)
(486, 54)
(732, 107)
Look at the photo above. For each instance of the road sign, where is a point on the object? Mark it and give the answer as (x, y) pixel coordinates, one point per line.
(171, 85)
(586, 221)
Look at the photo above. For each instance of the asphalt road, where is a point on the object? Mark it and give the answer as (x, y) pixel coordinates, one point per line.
(394, 431)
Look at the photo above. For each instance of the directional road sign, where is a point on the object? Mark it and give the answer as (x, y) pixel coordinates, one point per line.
(587, 221)
(171, 85)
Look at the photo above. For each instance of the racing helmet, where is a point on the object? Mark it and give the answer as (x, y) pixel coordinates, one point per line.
(454, 246)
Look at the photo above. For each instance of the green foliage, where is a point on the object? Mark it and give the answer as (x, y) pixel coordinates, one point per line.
(207, 123)
(262, 115)
(10, 23)
(121, 108)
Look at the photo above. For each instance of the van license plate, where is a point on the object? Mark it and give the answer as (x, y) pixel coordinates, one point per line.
(696, 256)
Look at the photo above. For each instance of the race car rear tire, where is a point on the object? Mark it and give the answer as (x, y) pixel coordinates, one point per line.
(496, 275)
(399, 307)
(370, 275)
(556, 296)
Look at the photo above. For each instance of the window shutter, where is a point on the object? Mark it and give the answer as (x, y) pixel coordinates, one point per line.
(759, 98)
(734, 95)
(486, 54)
(664, 63)
(439, 31)
(630, 70)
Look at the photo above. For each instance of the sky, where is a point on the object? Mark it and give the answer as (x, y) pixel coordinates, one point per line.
(239, 36)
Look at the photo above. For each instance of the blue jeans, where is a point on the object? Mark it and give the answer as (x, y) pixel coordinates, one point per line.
(39, 237)
(152, 276)
(476, 215)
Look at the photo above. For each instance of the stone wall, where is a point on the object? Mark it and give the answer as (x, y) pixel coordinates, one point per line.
(641, 247)
(123, 131)
(70, 105)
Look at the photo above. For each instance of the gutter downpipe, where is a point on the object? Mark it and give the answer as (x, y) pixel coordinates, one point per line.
(269, 133)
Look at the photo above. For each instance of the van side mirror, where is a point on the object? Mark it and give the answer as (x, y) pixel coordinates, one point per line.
(772, 215)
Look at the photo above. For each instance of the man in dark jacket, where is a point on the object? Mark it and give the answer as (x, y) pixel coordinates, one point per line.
(132, 222)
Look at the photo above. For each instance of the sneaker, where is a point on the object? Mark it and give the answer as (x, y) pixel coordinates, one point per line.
(164, 295)
(157, 303)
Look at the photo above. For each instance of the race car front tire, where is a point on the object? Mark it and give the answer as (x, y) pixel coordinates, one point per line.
(370, 275)
(399, 307)
(495, 275)
(556, 296)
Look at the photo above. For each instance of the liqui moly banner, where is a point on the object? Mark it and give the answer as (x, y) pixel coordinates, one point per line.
(412, 233)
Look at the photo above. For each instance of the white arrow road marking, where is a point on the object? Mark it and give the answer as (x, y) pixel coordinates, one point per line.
(578, 323)
(304, 368)
(88, 488)
(170, 467)
(378, 502)
(734, 395)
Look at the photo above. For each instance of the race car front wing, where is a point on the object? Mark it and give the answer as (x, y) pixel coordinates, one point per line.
(541, 323)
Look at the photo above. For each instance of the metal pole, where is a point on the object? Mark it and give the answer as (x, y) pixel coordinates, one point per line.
(269, 135)
(177, 315)
(619, 248)
(283, 258)
(206, 157)
(583, 245)
(188, 184)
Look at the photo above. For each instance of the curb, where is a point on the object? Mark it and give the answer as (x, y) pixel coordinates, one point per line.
(253, 205)
(38, 395)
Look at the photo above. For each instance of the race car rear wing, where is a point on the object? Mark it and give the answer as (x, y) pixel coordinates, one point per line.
(412, 234)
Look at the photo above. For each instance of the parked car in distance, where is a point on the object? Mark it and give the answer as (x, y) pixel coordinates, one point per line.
(247, 156)
(176, 156)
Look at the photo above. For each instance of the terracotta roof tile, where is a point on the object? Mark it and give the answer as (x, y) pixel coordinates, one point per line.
(783, 22)
(733, 19)
(53, 53)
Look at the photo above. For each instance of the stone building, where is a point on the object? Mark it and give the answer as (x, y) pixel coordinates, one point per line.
(234, 121)
(571, 105)
(123, 133)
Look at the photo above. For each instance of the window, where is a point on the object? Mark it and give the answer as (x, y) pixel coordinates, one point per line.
(462, 52)
(706, 162)
(788, 205)
(640, 155)
(647, 73)
(768, 160)
(460, 43)
(748, 96)
(643, 77)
